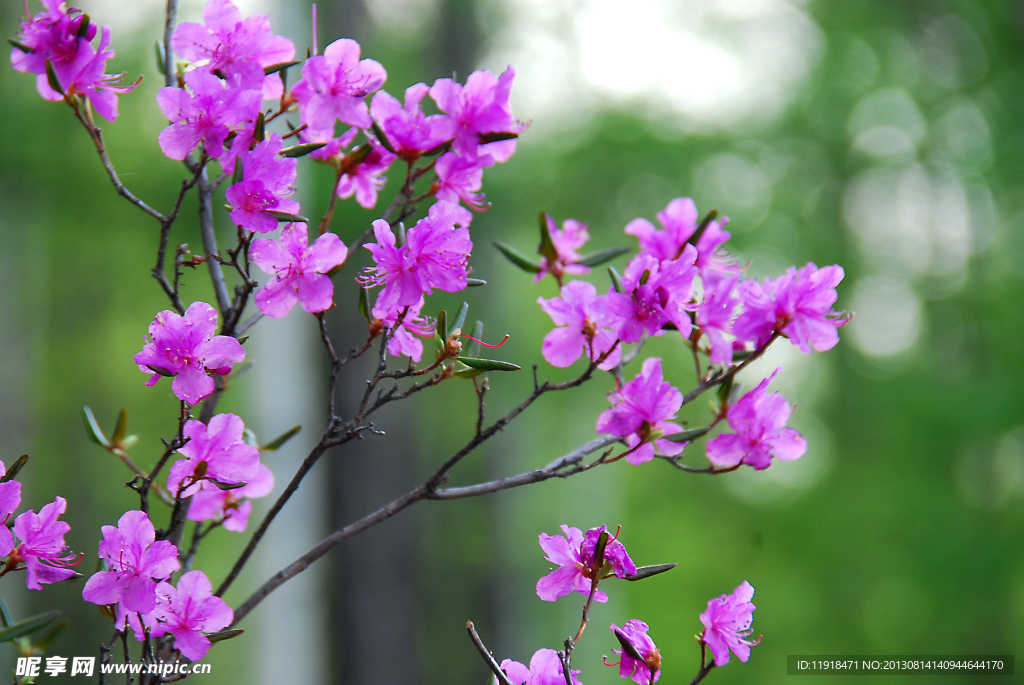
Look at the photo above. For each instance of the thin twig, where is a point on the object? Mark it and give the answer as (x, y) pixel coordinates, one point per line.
(488, 658)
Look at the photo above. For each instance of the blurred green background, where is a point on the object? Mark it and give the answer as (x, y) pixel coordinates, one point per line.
(882, 136)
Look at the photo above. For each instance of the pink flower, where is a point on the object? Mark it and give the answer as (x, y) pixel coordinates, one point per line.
(656, 293)
(10, 499)
(403, 341)
(186, 347)
(435, 256)
(679, 220)
(135, 562)
(332, 151)
(642, 672)
(231, 506)
(581, 330)
(727, 622)
(798, 305)
(709, 257)
(365, 179)
(208, 114)
(545, 669)
(236, 47)
(574, 554)
(481, 106)
(461, 178)
(299, 270)
(267, 184)
(42, 545)
(408, 130)
(640, 412)
(334, 85)
(759, 420)
(714, 316)
(188, 611)
(567, 240)
(216, 452)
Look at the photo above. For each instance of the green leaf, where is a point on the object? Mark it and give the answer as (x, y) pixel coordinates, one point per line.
(475, 282)
(616, 279)
(285, 216)
(280, 440)
(687, 435)
(43, 643)
(364, 304)
(358, 155)
(627, 646)
(274, 68)
(83, 28)
(468, 373)
(240, 370)
(382, 137)
(260, 131)
(227, 486)
(18, 464)
(51, 78)
(161, 65)
(92, 428)
(460, 318)
(495, 137)
(302, 149)
(129, 441)
(600, 547)
(28, 625)
(547, 246)
(5, 613)
(600, 257)
(250, 438)
(166, 373)
(120, 427)
(21, 46)
(224, 635)
(473, 348)
(648, 571)
(518, 258)
(442, 326)
(400, 237)
(740, 355)
(489, 364)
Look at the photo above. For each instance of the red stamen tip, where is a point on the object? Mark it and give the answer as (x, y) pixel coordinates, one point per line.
(463, 335)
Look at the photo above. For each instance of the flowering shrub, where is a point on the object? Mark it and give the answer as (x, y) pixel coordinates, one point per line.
(226, 88)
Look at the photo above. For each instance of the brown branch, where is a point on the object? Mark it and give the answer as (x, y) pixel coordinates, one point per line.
(488, 658)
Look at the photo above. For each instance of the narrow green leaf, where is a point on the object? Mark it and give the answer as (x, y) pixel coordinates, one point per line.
(400, 237)
(600, 257)
(250, 438)
(599, 548)
(459, 321)
(280, 440)
(703, 224)
(358, 155)
(475, 282)
(240, 370)
(489, 364)
(51, 78)
(468, 373)
(129, 441)
(627, 646)
(224, 635)
(44, 642)
(274, 68)
(382, 138)
(285, 216)
(92, 429)
(237, 176)
(241, 341)
(261, 128)
(302, 149)
(648, 571)
(21, 46)
(547, 246)
(166, 373)
(616, 279)
(495, 137)
(121, 426)
(473, 348)
(518, 258)
(18, 464)
(687, 435)
(442, 326)
(364, 304)
(28, 625)
(227, 486)
(5, 614)
(740, 355)
(160, 63)
(83, 28)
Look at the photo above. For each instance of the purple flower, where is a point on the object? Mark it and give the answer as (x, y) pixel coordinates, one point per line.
(403, 341)
(186, 612)
(231, 506)
(679, 220)
(334, 85)
(642, 672)
(408, 130)
(581, 330)
(714, 316)
(236, 47)
(299, 270)
(759, 420)
(266, 186)
(727, 622)
(186, 347)
(481, 106)
(135, 562)
(709, 257)
(567, 240)
(10, 499)
(208, 114)
(574, 554)
(365, 179)
(435, 256)
(656, 293)
(42, 545)
(798, 305)
(640, 412)
(216, 452)
(545, 669)
(461, 178)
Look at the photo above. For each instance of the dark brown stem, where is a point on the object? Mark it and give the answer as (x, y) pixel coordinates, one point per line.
(488, 658)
